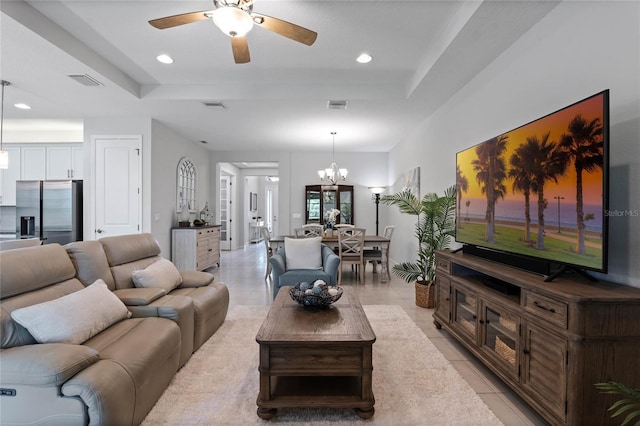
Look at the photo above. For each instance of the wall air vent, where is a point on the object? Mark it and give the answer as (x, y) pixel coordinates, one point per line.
(85, 80)
(213, 104)
(337, 105)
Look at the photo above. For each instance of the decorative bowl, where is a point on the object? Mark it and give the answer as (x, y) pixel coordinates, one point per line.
(184, 224)
(323, 297)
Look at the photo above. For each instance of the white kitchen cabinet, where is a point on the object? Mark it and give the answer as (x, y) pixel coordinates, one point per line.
(77, 162)
(39, 162)
(58, 162)
(64, 162)
(34, 163)
(9, 177)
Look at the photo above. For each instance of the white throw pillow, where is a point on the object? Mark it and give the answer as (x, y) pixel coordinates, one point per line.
(161, 274)
(73, 318)
(303, 253)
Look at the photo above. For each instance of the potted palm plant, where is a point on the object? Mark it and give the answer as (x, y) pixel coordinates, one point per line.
(434, 229)
(629, 404)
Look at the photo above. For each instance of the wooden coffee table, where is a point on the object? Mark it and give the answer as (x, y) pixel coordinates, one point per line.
(317, 358)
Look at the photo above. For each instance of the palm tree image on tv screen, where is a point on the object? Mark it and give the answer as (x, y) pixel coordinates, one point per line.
(540, 190)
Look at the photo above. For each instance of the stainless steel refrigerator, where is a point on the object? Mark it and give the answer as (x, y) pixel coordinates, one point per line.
(50, 210)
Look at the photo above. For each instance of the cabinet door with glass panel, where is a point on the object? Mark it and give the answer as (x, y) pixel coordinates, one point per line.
(500, 336)
(465, 312)
(320, 199)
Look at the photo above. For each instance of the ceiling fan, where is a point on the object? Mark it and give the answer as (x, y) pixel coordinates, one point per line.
(235, 18)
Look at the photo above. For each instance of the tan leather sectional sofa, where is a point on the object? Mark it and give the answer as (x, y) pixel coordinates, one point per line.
(117, 375)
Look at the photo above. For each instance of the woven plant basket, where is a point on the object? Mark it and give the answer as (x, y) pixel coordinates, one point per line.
(425, 295)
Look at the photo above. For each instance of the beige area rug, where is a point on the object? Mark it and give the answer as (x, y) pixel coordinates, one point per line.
(413, 383)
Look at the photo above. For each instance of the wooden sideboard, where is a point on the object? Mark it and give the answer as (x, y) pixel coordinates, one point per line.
(549, 341)
(195, 248)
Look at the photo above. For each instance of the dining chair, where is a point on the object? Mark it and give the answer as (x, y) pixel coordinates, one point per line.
(266, 237)
(375, 255)
(309, 230)
(351, 250)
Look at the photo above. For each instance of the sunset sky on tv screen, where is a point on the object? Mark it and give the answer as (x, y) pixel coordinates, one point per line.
(561, 236)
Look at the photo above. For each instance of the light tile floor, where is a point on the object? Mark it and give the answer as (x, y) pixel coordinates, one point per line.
(243, 271)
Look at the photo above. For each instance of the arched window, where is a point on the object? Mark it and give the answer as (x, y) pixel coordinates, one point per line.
(186, 189)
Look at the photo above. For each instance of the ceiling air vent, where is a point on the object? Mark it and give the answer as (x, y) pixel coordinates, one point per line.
(337, 105)
(215, 105)
(85, 80)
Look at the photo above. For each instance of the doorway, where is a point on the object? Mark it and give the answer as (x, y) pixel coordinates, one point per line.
(238, 183)
(225, 213)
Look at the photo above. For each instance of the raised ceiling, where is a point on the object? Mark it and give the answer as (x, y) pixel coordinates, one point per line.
(423, 53)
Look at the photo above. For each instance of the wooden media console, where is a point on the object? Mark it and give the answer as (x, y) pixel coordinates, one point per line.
(549, 341)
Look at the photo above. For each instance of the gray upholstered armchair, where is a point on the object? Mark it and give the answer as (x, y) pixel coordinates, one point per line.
(283, 277)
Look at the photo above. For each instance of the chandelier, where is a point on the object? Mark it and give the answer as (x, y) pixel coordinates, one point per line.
(333, 174)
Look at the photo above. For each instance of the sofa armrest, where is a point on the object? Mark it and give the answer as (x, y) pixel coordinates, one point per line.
(46, 364)
(179, 309)
(278, 266)
(107, 390)
(139, 296)
(330, 263)
(195, 279)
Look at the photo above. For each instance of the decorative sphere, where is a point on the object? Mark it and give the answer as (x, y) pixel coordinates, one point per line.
(317, 290)
(304, 285)
(333, 291)
(319, 282)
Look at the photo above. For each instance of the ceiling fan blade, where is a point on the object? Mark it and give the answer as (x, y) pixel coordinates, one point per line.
(183, 18)
(240, 49)
(286, 29)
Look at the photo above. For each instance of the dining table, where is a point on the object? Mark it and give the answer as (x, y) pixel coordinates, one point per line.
(370, 241)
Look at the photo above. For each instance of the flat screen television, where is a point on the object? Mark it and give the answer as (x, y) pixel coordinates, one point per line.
(536, 197)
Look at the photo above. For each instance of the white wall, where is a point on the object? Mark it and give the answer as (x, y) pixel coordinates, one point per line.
(161, 150)
(167, 148)
(365, 170)
(579, 49)
(297, 169)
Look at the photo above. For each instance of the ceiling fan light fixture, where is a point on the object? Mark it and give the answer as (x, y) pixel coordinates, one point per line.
(232, 21)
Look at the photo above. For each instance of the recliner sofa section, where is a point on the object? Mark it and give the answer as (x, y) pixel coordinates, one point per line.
(114, 377)
(113, 259)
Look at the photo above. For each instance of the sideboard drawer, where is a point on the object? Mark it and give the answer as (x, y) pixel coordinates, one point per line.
(546, 308)
(443, 265)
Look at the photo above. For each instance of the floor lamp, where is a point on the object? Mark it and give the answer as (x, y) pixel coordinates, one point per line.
(376, 191)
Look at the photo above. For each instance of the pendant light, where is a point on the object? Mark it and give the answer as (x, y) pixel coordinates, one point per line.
(4, 155)
(333, 174)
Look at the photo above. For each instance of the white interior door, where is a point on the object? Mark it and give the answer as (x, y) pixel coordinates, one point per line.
(271, 208)
(118, 190)
(225, 212)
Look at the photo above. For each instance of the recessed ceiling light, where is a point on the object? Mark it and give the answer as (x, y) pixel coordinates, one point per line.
(364, 58)
(22, 106)
(165, 59)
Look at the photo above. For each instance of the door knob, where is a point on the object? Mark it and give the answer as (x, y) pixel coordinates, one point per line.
(99, 231)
